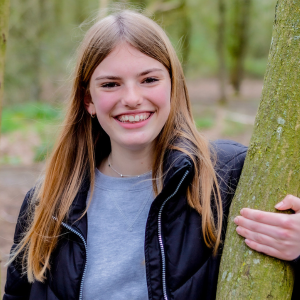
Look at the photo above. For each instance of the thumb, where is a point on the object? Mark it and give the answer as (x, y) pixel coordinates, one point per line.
(289, 202)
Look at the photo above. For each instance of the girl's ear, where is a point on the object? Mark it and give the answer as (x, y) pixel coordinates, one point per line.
(88, 104)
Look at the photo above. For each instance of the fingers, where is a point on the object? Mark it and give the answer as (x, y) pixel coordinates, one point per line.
(289, 202)
(276, 232)
(267, 250)
(256, 237)
(274, 219)
(282, 249)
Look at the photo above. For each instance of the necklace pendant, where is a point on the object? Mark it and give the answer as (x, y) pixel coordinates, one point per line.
(121, 175)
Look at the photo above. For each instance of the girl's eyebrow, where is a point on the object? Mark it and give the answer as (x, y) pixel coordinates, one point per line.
(110, 77)
(149, 71)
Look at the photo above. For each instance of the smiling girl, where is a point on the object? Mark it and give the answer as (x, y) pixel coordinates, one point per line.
(134, 202)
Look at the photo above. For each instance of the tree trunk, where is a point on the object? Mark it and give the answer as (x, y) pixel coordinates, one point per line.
(80, 13)
(221, 51)
(185, 32)
(272, 167)
(238, 40)
(37, 58)
(58, 12)
(180, 32)
(4, 15)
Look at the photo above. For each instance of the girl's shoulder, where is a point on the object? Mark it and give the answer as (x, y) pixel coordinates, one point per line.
(228, 152)
(229, 161)
(24, 215)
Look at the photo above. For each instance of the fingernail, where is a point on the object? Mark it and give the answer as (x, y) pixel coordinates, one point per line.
(280, 204)
(241, 211)
(238, 230)
(246, 241)
(236, 220)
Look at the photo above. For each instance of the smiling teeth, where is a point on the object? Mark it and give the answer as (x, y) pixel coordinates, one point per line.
(134, 118)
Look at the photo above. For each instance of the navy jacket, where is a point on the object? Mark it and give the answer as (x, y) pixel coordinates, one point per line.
(179, 266)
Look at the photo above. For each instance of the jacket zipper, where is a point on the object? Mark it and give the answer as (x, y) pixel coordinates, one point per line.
(162, 249)
(86, 255)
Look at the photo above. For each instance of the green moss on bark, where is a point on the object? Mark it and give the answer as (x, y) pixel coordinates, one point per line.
(272, 167)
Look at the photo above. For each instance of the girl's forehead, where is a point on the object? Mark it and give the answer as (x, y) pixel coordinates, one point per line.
(125, 50)
(126, 58)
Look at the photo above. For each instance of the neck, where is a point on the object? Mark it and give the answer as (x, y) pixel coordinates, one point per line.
(127, 162)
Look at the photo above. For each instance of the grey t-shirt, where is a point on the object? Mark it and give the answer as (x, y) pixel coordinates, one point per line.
(117, 219)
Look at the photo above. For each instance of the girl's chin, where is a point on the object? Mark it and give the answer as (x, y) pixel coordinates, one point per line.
(136, 145)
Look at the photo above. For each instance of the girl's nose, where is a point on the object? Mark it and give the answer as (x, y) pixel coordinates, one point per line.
(132, 97)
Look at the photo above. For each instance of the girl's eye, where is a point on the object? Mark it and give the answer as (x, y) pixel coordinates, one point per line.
(109, 85)
(150, 80)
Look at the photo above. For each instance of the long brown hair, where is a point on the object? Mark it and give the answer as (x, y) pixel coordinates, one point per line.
(83, 144)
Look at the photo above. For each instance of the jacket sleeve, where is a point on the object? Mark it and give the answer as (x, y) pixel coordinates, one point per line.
(17, 286)
(296, 266)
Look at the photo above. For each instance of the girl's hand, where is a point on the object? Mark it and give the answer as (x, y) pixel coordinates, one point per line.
(274, 234)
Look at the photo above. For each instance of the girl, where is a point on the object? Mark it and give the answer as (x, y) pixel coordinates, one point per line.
(95, 228)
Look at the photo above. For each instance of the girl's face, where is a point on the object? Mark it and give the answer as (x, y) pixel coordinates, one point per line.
(130, 94)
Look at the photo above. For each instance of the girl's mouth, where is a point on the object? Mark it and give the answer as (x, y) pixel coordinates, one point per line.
(134, 118)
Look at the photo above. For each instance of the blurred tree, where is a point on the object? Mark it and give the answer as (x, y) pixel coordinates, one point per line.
(272, 167)
(237, 40)
(40, 31)
(259, 37)
(39, 56)
(58, 12)
(4, 16)
(221, 51)
(41, 47)
(28, 45)
(79, 11)
(168, 13)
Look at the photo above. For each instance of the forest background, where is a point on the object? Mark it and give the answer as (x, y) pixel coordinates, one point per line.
(41, 49)
(223, 46)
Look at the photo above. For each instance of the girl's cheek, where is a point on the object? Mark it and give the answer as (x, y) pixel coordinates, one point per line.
(161, 96)
(105, 103)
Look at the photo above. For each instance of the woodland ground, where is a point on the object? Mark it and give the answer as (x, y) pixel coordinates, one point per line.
(231, 121)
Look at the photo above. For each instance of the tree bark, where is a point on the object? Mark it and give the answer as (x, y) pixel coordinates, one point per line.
(238, 40)
(4, 16)
(272, 167)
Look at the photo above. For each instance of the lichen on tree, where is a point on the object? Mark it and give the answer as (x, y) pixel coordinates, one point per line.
(272, 167)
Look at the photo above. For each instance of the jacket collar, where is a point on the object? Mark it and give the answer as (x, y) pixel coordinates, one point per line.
(175, 164)
(176, 161)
